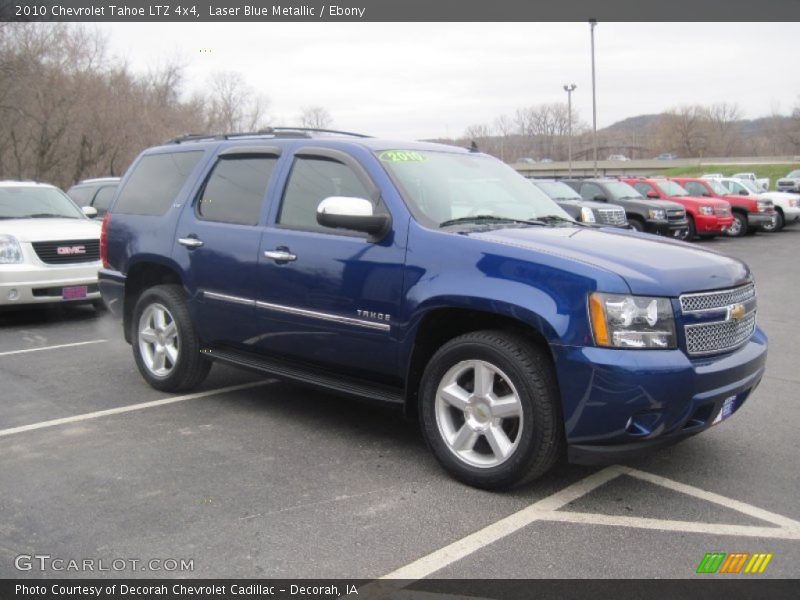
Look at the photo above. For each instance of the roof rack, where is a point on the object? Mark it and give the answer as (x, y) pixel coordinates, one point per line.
(270, 132)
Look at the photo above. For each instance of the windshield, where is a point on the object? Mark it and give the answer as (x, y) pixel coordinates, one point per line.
(440, 187)
(557, 190)
(620, 190)
(670, 188)
(28, 202)
(794, 174)
(717, 187)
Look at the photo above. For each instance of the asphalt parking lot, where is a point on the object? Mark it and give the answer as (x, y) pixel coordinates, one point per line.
(256, 478)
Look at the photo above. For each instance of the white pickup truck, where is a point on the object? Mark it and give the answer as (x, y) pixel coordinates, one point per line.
(787, 206)
(761, 183)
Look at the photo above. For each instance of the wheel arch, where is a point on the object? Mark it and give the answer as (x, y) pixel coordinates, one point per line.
(141, 275)
(439, 325)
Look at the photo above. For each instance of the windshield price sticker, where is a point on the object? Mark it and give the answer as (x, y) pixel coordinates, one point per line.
(397, 156)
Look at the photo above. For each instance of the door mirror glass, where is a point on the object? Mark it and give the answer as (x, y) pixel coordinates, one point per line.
(356, 214)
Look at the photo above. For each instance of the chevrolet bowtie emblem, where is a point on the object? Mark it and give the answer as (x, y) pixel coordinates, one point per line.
(736, 312)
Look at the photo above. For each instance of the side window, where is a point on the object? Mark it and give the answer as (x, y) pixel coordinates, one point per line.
(695, 189)
(103, 197)
(155, 182)
(643, 188)
(590, 190)
(235, 189)
(311, 181)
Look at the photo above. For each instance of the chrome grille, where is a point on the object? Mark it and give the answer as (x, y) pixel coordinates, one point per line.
(720, 335)
(720, 299)
(68, 251)
(676, 215)
(708, 338)
(612, 216)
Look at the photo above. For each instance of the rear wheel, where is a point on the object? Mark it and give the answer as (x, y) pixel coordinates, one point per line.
(739, 226)
(165, 345)
(489, 409)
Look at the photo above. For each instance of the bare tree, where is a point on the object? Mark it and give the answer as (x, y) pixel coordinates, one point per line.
(316, 117)
(232, 105)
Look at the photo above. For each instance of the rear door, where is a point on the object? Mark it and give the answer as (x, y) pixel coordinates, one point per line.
(324, 295)
(218, 239)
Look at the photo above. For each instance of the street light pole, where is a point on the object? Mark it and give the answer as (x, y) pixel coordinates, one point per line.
(592, 25)
(569, 89)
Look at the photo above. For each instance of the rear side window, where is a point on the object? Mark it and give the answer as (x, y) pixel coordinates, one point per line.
(156, 180)
(104, 196)
(643, 188)
(235, 190)
(312, 180)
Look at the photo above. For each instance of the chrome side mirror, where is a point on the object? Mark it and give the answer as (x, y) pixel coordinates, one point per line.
(356, 214)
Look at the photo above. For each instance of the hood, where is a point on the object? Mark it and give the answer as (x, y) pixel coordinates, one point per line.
(45, 230)
(650, 265)
(704, 201)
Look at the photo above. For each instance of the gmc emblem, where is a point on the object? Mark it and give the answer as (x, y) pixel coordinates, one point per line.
(71, 250)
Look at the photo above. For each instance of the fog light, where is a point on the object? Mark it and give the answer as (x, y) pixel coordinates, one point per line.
(13, 294)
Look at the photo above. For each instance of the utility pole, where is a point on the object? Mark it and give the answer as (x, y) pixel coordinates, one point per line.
(569, 89)
(592, 25)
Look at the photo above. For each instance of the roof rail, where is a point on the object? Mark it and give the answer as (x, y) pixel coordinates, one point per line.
(270, 132)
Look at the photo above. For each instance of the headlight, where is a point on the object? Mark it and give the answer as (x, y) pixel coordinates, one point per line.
(764, 205)
(793, 203)
(706, 210)
(587, 215)
(10, 252)
(657, 214)
(620, 321)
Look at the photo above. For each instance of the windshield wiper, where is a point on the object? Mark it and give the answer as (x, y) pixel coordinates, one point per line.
(47, 216)
(558, 219)
(489, 219)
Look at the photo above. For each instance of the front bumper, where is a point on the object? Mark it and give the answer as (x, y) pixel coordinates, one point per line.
(26, 284)
(759, 219)
(618, 403)
(675, 229)
(711, 224)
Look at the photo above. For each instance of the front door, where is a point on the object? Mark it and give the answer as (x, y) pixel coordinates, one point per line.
(324, 295)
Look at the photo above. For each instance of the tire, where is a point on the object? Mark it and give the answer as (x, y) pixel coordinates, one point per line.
(466, 432)
(739, 226)
(636, 223)
(165, 345)
(691, 230)
(777, 223)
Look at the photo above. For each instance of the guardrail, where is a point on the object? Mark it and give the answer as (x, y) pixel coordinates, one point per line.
(585, 168)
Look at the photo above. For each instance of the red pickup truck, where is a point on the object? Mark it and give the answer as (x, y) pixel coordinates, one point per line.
(707, 217)
(749, 213)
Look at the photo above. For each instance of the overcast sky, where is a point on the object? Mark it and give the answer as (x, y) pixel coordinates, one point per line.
(424, 80)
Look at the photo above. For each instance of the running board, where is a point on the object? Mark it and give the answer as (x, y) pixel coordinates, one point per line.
(307, 375)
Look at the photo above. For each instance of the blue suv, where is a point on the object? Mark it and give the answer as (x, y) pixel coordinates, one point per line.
(432, 278)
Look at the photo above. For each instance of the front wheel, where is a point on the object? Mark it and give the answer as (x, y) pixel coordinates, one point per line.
(165, 345)
(637, 224)
(776, 224)
(490, 409)
(691, 229)
(739, 226)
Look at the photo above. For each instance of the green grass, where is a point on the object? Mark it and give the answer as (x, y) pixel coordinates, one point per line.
(774, 172)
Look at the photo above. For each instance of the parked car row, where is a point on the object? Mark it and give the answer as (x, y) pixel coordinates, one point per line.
(679, 207)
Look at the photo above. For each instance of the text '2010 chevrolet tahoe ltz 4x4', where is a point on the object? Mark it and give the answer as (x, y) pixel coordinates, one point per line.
(432, 278)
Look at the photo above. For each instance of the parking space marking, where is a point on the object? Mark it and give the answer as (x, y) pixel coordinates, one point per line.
(40, 348)
(547, 509)
(462, 548)
(130, 408)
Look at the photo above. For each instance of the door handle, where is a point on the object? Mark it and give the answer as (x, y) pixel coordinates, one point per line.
(280, 255)
(190, 242)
